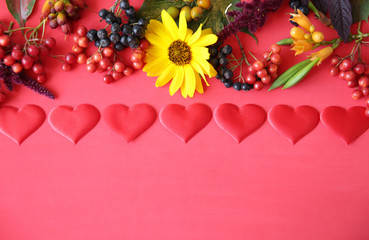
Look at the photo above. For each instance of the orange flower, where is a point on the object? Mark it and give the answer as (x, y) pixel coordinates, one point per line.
(321, 54)
(302, 20)
(301, 46)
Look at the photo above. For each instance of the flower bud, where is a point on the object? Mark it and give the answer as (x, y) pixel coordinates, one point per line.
(321, 54)
(301, 46)
(301, 20)
(61, 18)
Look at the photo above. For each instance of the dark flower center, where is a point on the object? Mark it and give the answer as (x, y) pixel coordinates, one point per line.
(179, 53)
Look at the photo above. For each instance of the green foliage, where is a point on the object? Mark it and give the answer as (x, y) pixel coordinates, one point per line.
(214, 18)
(360, 10)
(20, 9)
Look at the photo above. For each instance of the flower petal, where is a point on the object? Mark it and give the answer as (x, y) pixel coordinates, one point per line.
(188, 35)
(206, 31)
(159, 29)
(200, 52)
(184, 89)
(197, 68)
(205, 40)
(157, 41)
(156, 51)
(154, 68)
(170, 25)
(166, 75)
(199, 87)
(177, 80)
(182, 31)
(190, 80)
(195, 36)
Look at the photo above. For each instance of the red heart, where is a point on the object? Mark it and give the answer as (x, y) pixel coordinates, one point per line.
(74, 123)
(293, 123)
(348, 125)
(129, 122)
(239, 122)
(185, 122)
(20, 124)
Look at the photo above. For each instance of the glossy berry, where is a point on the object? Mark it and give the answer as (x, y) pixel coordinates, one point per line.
(105, 42)
(173, 12)
(363, 81)
(103, 13)
(258, 86)
(41, 78)
(351, 84)
(92, 35)
(365, 91)
(37, 68)
(114, 37)
(108, 79)
(350, 76)
(108, 52)
(138, 65)
(105, 63)
(334, 71)
(138, 31)
(187, 13)
(81, 31)
(92, 67)
(357, 94)
(50, 42)
(258, 65)
(144, 44)
(9, 60)
(77, 49)
(117, 75)
(81, 58)
(27, 62)
(275, 48)
(135, 57)
(119, 66)
(83, 42)
(276, 58)
(130, 12)
(228, 74)
(237, 86)
(4, 40)
(205, 4)
(70, 58)
(124, 4)
(33, 50)
(128, 71)
(196, 13)
(227, 49)
(2, 53)
(66, 67)
(250, 79)
(335, 60)
(345, 65)
(17, 67)
(102, 34)
(359, 68)
(17, 54)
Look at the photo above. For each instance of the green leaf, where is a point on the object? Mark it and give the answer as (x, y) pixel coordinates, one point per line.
(214, 18)
(360, 10)
(20, 9)
(295, 79)
(246, 30)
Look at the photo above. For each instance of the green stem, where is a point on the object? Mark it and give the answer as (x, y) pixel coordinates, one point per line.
(314, 9)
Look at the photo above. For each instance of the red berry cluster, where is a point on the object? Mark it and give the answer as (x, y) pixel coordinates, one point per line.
(264, 71)
(104, 59)
(355, 73)
(26, 57)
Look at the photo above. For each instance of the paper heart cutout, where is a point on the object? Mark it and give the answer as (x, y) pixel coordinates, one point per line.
(239, 122)
(129, 122)
(185, 122)
(346, 124)
(18, 125)
(74, 123)
(293, 123)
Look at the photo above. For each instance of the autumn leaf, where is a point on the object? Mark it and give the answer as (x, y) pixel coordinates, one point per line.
(20, 9)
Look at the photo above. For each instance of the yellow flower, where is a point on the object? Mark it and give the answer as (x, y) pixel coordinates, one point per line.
(301, 46)
(178, 54)
(321, 54)
(302, 20)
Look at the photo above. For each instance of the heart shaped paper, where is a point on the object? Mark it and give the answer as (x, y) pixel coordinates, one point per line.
(346, 124)
(239, 122)
(74, 123)
(293, 123)
(129, 122)
(185, 122)
(20, 124)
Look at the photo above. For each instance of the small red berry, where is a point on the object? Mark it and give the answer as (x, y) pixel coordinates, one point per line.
(37, 68)
(365, 91)
(258, 65)
(342, 75)
(135, 57)
(258, 85)
(17, 67)
(251, 69)
(250, 78)
(350, 75)
(41, 78)
(27, 62)
(144, 44)
(276, 58)
(108, 52)
(351, 84)
(128, 71)
(363, 81)
(266, 80)
(9, 60)
(83, 42)
(33, 50)
(335, 60)
(275, 48)
(357, 94)
(50, 42)
(345, 65)
(334, 71)
(108, 79)
(17, 54)
(77, 49)
(262, 73)
(4, 40)
(81, 31)
(2, 53)
(359, 68)
(91, 67)
(81, 58)
(66, 67)
(119, 66)
(97, 57)
(105, 63)
(272, 68)
(138, 65)
(44, 50)
(70, 58)
(117, 75)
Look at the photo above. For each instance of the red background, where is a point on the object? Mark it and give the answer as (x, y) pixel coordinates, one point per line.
(157, 187)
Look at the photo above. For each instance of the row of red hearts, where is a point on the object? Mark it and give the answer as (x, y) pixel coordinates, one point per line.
(184, 122)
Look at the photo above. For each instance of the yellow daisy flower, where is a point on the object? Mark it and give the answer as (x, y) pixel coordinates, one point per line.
(178, 54)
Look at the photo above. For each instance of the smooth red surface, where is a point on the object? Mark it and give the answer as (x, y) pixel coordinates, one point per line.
(156, 187)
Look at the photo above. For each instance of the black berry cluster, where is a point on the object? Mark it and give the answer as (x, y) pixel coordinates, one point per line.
(120, 35)
(219, 60)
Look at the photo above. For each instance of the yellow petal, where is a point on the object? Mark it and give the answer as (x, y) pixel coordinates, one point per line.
(184, 89)
(159, 29)
(182, 31)
(195, 36)
(200, 52)
(199, 87)
(205, 40)
(157, 51)
(157, 41)
(190, 80)
(166, 75)
(154, 68)
(170, 25)
(197, 68)
(188, 35)
(177, 80)
(206, 31)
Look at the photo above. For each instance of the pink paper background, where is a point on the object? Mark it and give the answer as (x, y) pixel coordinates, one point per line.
(157, 187)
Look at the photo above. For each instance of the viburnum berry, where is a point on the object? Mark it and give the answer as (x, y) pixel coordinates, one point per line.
(97, 56)
(17, 54)
(37, 68)
(66, 67)
(335, 60)
(108, 79)
(4, 40)
(105, 63)
(351, 84)
(117, 75)
(81, 58)
(81, 31)
(50, 42)
(128, 71)
(266, 80)
(137, 65)
(350, 76)
(276, 58)
(17, 67)
(41, 78)
(365, 91)
(258, 85)
(119, 66)
(76, 49)
(359, 68)
(9, 60)
(144, 44)
(135, 57)
(27, 62)
(70, 58)
(345, 65)
(262, 73)
(357, 94)
(108, 52)
(33, 51)
(342, 75)
(258, 65)
(275, 48)
(91, 67)
(334, 71)
(83, 42)
(363, 81)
